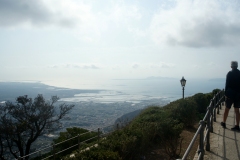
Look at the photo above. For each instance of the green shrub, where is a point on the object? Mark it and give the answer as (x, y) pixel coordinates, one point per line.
(70, 133)
(201, 101)
(153, 126)
(124, 142)
(170, 136)
(215, 91)
(209, 96)
(95, 154)
(185, 112)
(151, 114)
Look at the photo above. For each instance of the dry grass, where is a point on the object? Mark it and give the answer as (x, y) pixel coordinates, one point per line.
(188, 135)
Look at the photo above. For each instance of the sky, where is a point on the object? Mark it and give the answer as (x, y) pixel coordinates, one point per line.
(73, 42)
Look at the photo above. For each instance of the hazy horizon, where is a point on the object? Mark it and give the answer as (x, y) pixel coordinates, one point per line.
(159, 87)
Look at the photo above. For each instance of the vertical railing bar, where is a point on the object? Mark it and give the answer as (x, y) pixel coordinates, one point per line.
(98, 134)
(208, 132)
(201, 140)
(79, 143)
(218, 98)
(214, 108)
(53, 150)
(211, 115)
(40, 156)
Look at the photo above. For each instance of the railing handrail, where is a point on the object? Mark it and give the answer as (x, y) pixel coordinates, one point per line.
(206, 125)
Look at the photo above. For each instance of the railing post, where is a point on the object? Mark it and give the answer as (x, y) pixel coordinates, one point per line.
(98, 134)
(79, 143)
(53, 150)
(214, 108)
(223, 98)
(211, 115)
(209, 129)
(201, 140)
(218, 108)
(218, 98)
(40, 154)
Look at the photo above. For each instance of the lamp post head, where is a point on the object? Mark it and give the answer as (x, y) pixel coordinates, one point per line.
(183, 82)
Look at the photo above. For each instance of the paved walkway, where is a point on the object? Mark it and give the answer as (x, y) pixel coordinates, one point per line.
(225, 144)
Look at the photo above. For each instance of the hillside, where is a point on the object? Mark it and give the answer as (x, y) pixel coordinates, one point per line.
(152, 133)
(156, 133)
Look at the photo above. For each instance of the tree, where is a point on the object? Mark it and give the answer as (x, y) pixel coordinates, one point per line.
(22, 122)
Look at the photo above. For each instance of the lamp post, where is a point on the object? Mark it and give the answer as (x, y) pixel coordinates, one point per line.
(183, 83)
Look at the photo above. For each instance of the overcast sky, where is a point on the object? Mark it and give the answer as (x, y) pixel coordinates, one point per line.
(91, 41)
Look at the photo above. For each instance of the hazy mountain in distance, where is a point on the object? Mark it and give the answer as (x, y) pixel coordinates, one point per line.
(218, 80)
(151, 78)
(11, 90)
(160, 78)
(169, 86)
(126, 118)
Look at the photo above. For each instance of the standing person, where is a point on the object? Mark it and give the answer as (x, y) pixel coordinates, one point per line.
(232, 94)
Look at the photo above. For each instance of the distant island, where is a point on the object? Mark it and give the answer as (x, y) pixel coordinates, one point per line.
(11, 90)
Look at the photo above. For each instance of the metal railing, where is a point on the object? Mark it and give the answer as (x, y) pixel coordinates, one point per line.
(101, 132)
(206, 126)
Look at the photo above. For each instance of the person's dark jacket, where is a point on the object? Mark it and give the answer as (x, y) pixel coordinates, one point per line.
(232, 82)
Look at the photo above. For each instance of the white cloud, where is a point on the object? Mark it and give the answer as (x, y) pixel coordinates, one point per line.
(116, 67)
(121, 13)
(212, 64)
(198, 23)
(23, 13)
(135, 66)
(196, 66)
(77, 66)
(162, 65)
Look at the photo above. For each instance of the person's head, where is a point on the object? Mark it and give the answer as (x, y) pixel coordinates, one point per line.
(234, 64)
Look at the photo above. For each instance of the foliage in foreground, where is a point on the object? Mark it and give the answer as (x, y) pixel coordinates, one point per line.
(22, 122)
(155, 125)
(71, 140)
(185, 112)
(95, 154)
(76, 135)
